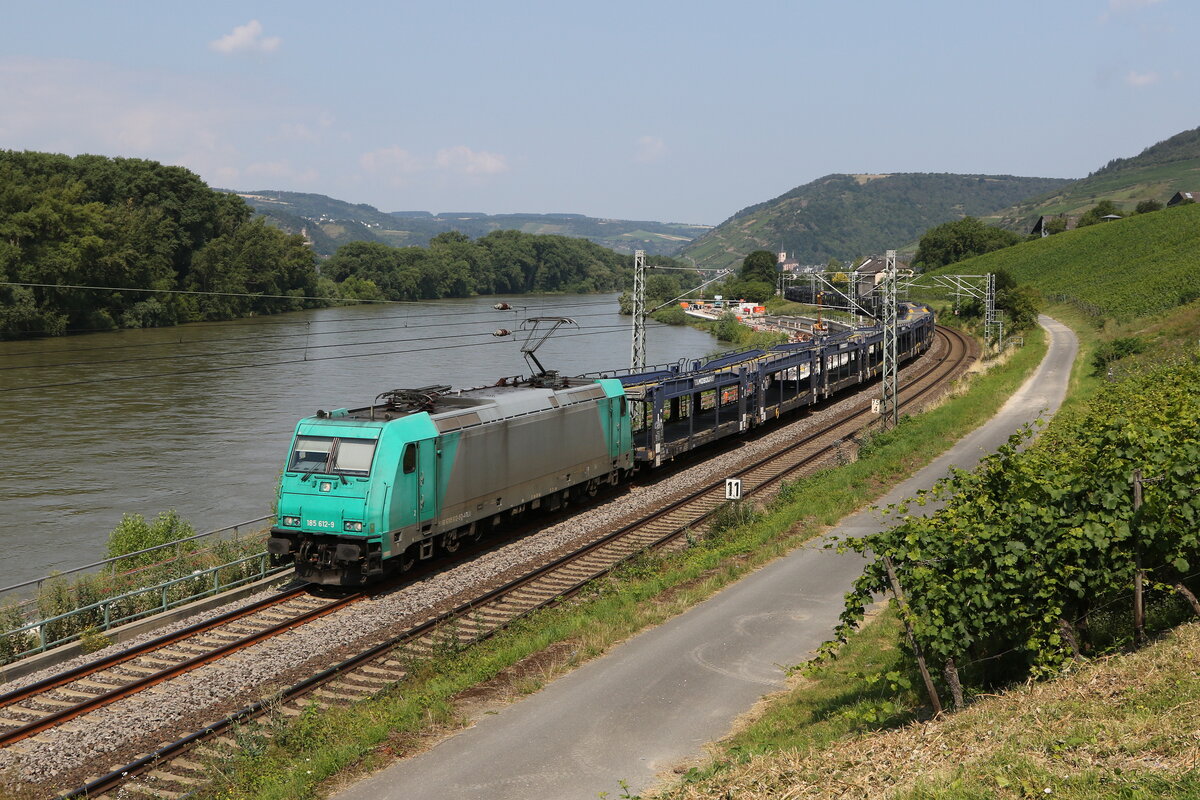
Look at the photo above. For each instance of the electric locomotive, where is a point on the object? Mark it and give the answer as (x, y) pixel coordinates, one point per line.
(373, 489)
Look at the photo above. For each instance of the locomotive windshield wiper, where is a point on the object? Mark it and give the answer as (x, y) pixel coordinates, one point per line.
(332, 460)
(324, 466)
(311, 472)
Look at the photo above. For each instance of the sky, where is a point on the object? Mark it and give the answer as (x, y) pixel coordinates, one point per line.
(668, 111)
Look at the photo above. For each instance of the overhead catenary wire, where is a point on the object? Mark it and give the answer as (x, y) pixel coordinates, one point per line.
(213, 340)
(229, 367)
(251, 295)
(335, 301)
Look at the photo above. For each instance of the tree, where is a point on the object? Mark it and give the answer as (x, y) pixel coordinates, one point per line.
(755, 291)
(1146, 206)
(133, 224)
(954, 241)
(1055, 225)
(1097, 213)
(660, 288)
(759, 266)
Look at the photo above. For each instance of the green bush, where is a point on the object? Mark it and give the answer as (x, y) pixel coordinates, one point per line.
(133, 533)
(671, 315)
(13, 644)
(727, 327)
(1108, 352)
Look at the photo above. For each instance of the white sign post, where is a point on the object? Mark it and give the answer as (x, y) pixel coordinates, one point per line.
(733, 488)
(875, 405)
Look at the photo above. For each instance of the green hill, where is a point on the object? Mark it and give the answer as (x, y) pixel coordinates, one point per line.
(1156, 173)
(329, 223)
(846, 216)
(1122, 269)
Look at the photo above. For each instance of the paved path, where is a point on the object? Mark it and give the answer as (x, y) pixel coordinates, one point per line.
(657, 699)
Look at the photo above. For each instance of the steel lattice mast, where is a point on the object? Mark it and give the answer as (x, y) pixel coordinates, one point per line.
(889, 408)
(637, 362)
(989, 309)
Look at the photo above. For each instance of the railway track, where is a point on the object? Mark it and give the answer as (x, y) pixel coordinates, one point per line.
(27, 711)
(174, 770)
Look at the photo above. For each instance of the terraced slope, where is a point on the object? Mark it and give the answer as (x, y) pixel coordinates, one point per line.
(1122, 269)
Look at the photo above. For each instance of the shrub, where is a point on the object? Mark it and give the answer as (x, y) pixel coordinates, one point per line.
(1108, 352)
(727, 327)
(671, 315)
(133, 533)
(732, 514)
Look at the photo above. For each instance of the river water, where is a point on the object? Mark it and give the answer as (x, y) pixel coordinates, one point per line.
(198, 418)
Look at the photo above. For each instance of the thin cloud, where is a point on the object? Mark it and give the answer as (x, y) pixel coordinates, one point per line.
(395, 160)
(1119, 6)
(1140, 79)
(397, 165)
(649, 149)
(73, 106)
(246, 38)
(276, 170)
(466, 161)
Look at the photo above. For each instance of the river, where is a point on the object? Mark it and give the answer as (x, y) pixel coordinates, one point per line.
(198, 417)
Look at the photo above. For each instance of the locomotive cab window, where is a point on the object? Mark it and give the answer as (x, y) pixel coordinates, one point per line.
(333, 456)
(310, 453)
(410, 458)
(353, 456)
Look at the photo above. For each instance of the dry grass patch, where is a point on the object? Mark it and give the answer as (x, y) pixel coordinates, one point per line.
(1118, 727)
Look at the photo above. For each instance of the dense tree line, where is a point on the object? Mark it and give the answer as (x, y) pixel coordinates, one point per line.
(130, 224)
(954, 241)
(133, 224)
(502, 262)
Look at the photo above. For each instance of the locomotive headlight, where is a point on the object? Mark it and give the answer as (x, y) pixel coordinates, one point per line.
(293, 522)
(353, 527)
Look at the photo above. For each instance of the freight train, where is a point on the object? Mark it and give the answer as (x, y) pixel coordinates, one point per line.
(370, 490)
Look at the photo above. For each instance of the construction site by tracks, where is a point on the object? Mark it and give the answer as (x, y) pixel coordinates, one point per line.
(350, 669)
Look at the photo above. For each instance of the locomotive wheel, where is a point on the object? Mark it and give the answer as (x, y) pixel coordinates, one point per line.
(407, 559)
(451, 541)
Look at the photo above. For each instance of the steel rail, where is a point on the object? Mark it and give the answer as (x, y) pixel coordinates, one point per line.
(92, 667)
(56, 718)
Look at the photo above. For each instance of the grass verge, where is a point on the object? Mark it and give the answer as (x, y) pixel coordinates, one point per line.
(305, 757)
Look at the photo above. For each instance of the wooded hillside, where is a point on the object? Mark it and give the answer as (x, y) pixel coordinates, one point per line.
(165, 248)
(847, 216)
(133, 224)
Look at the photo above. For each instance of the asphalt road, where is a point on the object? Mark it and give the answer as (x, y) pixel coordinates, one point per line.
(655, 700)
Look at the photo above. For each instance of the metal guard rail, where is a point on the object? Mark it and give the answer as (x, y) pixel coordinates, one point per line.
(105, 608)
